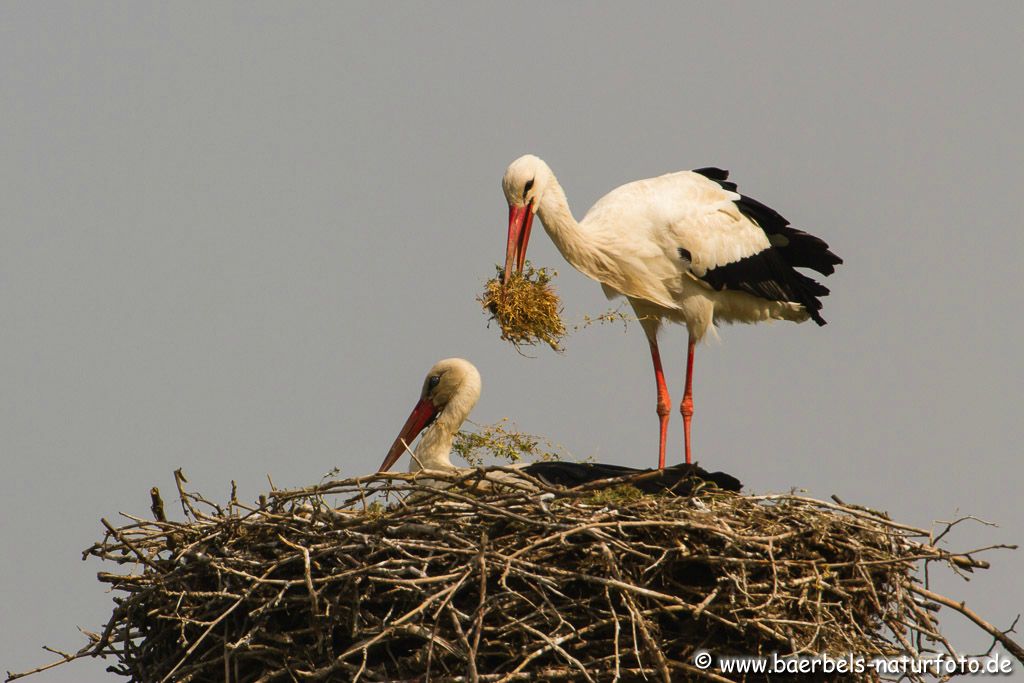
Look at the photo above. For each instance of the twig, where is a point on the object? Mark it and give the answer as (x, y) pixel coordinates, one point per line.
(1011, 646)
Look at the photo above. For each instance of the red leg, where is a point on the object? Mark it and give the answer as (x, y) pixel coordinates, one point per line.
(664, 402)
(686, 407)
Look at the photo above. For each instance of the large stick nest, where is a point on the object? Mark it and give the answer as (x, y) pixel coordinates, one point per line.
(384, 578)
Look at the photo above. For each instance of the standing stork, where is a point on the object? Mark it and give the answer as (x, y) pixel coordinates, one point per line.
(450, 391)
(686, 247)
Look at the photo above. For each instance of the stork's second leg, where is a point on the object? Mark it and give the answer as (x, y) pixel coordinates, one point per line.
(686, 407)
(664, 402)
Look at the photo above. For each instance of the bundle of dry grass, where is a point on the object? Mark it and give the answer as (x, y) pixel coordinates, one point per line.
(526, 308)
(385, 579)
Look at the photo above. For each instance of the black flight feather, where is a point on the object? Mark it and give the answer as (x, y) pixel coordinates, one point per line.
(681, 479)
(770, 274)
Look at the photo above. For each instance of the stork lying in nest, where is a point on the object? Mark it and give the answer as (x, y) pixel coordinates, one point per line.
(451, 390)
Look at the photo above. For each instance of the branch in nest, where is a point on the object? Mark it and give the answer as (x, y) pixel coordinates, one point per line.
(453, 584)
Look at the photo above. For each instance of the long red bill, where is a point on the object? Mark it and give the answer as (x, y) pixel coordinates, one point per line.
(520, 220)
(420, 417)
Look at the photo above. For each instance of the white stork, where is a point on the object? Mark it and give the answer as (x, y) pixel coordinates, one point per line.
(684, 246)
(450, 391)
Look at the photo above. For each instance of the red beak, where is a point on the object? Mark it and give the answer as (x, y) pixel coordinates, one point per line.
(422, 415)
(520, 219)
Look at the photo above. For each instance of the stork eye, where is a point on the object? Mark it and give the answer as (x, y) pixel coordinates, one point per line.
(529, 186)
(433, 382)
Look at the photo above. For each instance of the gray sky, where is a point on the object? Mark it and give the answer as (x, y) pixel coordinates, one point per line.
(233, 237)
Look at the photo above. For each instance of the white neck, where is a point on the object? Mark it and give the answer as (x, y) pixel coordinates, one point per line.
(432, 452)
(563, 229)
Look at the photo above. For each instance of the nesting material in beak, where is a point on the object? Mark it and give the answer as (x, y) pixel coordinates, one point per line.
(525, 305)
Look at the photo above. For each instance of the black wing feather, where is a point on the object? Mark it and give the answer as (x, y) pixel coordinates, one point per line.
(770, 274)
(681, 479)
(719, 175)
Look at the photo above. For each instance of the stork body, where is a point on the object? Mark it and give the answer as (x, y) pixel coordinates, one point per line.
(684, 247)
(451, 390)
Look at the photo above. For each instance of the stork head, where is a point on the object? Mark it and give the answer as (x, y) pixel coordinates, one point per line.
(451, 388)
(524, 184)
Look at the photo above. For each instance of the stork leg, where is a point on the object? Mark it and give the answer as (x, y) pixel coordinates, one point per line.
(664, 402)
(686, 407)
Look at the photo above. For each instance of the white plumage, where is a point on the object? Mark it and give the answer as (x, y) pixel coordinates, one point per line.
(684, 246)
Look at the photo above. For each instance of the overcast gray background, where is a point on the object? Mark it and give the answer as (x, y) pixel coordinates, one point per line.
(234, 237)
